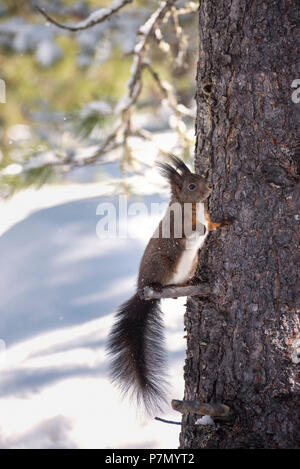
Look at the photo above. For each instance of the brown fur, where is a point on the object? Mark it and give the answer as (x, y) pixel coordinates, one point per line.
(136, 340)
(162, 255)
(160, 260)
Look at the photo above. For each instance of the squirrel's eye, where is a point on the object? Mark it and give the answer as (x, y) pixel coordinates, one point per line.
(192, 187)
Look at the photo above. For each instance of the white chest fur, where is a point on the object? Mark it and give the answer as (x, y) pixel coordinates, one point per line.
(194, 242)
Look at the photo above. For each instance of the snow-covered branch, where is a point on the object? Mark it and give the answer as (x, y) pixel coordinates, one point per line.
(123, 128)
(94, 18)
(145, 32)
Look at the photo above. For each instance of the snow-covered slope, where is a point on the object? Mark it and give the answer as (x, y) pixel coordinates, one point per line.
(59, 287)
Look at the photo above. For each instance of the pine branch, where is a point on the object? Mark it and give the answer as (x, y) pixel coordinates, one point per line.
(123, 129)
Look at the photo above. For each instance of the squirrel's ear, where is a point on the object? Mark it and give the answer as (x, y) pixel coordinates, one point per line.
(170, 173)
(179, 164)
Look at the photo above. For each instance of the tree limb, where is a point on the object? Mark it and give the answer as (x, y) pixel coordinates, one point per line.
(94, 18)
(145, 33)
(174, 291)
(123, 109)
(216, 410)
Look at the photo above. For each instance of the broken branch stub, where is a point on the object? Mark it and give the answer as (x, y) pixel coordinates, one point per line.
(174, 291)
(215, 410)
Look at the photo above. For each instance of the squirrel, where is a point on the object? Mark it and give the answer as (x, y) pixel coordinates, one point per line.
(136, 341)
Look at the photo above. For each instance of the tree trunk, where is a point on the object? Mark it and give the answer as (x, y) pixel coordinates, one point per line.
(243, 341)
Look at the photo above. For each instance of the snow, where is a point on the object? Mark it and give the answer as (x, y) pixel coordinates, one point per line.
(23, 36)
(47, 53)
(18, 132)
(59, 290)
(295, 355)
(11, 169)
(205, 420)
(100, 107)
(41, 160)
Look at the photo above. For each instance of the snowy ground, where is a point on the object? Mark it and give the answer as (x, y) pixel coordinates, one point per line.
(59, 287)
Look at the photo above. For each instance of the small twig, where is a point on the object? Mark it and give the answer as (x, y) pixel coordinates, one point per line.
(215, 410)
(144, 32)
(167, 421)
(134, 85)
(123, 128)
(182, 40)
(162, 44)
(174, 291)
(94, 18)
(169, 95)
(191, 7)
(108, 144)
(105, 145)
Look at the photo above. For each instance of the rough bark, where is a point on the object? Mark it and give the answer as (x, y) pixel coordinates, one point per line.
(243, 341)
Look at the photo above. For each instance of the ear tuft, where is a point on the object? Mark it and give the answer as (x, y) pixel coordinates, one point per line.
(179, 164)
(168, 172)
(174, 172)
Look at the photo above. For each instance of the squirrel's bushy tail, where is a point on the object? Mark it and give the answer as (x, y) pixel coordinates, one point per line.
(136, 346)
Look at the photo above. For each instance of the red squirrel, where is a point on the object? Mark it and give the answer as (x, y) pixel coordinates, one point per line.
(136, 341)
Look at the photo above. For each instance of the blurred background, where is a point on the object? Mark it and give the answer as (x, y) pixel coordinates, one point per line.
(84, 115)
